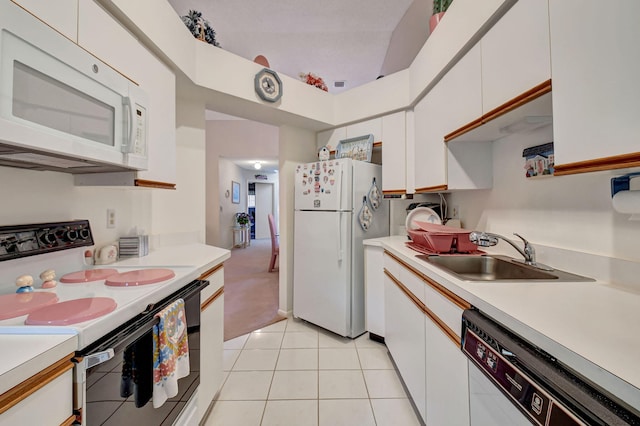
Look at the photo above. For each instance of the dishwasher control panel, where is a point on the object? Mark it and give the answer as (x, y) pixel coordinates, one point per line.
(495, 361)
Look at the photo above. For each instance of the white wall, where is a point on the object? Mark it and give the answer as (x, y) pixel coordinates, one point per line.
(408, 37)
(229, 172)
(570, 212)
(231, 139)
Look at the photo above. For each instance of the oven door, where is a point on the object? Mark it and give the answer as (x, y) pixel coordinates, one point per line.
(115, 375)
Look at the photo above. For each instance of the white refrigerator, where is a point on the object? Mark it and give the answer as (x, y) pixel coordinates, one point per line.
(338, 204)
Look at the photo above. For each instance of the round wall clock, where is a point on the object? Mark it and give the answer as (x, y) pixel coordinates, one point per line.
(268, 85)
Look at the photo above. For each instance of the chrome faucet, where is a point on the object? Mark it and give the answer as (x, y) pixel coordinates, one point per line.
(487, 239)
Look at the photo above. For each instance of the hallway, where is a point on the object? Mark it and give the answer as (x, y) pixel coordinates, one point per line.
(250, 291)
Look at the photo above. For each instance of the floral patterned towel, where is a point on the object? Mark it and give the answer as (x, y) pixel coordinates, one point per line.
(170, 352)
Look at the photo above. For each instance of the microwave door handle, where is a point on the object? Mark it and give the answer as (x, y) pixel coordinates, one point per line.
(128, 147)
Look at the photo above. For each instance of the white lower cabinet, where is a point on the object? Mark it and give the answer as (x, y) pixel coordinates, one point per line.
(404, 336)
(422, 332)
(51, 404)
(447, 395)
(211, 341)
(374, 289)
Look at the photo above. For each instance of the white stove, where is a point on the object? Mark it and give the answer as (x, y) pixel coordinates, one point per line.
(39, 254)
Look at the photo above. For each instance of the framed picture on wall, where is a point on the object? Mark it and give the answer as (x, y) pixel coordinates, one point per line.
(235, 192)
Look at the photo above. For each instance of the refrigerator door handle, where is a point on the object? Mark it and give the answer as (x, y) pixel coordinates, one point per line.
(340, 248)
(340, 185)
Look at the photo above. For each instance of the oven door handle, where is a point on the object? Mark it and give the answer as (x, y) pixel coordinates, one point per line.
(98, 358)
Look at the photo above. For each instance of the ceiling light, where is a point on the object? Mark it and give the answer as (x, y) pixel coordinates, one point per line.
(257, 165)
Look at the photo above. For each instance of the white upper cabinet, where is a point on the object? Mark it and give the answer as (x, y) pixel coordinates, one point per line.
(453, 102)
(121, 50)
(595, 64)
(394, 168)
(515, 53)
(61, 15)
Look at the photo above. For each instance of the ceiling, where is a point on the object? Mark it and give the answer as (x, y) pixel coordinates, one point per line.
(338, 40)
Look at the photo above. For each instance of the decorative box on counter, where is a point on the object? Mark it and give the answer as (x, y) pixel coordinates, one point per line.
(137, 246)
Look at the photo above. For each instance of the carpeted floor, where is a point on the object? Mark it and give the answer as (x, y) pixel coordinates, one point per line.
(250, 291)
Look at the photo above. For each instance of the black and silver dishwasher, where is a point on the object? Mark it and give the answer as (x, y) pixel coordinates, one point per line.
(511, 382)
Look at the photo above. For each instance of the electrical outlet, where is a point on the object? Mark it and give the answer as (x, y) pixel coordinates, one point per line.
(455, 212)
(111, 218)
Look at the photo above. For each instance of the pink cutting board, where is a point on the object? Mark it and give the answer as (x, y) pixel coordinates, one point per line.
(87, 276)
(18, 304)
(139, 277)
(72, 311)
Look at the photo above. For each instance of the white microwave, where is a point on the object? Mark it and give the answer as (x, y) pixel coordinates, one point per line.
(60, 107)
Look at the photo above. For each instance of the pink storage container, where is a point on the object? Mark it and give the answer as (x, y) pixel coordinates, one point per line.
(437, 243)
(446, 239)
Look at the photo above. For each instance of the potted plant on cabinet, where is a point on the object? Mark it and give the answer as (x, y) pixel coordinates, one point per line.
(200, 27)
(439, 8)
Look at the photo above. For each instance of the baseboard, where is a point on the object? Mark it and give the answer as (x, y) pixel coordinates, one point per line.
(287, 314)
(376, 338)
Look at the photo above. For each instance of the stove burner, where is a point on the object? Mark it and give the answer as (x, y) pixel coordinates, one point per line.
(72, 311)
(87, 276)
(16, 305)
(139, 277)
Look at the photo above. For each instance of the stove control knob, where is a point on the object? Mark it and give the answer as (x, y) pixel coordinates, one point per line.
(71, 235)
(48, 238)
(84, 233)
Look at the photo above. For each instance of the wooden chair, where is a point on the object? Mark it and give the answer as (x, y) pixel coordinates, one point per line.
(275, 245)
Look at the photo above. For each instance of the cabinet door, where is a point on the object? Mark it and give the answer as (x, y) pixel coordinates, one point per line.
(515, 53)
(429, 148)
(394, 153)
(455, 101)
(404, 336)
(50, 405)
(374, 289)
(447, 383)
(124, 52)
(211, 341)
(595, 64)
(61, 15)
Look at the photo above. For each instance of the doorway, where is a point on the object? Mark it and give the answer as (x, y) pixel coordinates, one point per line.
(260, 205)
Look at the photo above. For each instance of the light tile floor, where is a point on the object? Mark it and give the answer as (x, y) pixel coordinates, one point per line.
(296, 374)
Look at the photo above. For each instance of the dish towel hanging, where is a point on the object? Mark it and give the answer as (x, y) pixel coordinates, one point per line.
(137, 370)
(170, 352)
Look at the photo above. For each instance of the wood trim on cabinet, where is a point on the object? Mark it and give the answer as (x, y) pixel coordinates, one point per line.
(448, 294)
(394, 192)
(211, 299)
(531, 94)
(431, 189)
(599, 164)
(70, 421)
(154, 184)
(34, 383)
(425, 310)
(208, 273)
(416, 301)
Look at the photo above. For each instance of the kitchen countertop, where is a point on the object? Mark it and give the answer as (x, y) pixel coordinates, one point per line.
(587, 326)
(23, 356)
(27, 353)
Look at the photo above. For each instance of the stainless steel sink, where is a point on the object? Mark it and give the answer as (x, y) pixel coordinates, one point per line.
(496, 268)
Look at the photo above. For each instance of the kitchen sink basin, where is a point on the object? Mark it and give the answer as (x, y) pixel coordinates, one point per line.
(496, 268)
